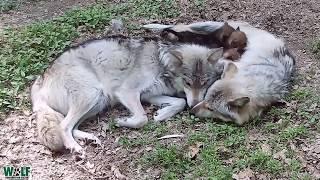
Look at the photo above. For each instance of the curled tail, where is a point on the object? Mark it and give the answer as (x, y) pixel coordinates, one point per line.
(48, 119)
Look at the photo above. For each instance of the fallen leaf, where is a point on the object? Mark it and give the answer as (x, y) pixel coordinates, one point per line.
(89, 165)
(14, 140)
(117, 173)
(266, 148)
(245, 174)
(194, 150)
(280, 155)
(26, 112)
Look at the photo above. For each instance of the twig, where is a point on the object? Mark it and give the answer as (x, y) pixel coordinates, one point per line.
(171, 136)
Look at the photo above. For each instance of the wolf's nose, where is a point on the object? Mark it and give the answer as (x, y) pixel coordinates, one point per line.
(194, 110)
(193, 103)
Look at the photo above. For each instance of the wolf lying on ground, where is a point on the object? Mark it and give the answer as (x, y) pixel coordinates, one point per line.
(259, 79)
(101, 73)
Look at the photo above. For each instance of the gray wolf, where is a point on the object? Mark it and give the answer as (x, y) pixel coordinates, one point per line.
(260, 78)
(231, 39)
(86, 79)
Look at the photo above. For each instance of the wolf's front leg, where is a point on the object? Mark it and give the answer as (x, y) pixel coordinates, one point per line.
(172, 107)
(131, 100)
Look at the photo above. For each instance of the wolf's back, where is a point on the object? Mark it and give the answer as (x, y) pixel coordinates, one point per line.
(286, 62)
(274, 75)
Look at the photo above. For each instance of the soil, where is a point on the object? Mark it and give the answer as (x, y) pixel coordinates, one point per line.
(32, 10)
(296, 21)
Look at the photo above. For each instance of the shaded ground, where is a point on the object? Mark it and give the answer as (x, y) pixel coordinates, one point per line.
(28, 11)
(296, 21)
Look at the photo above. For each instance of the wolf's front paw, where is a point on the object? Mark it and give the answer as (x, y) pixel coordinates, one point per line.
(169, 111)
(132, 122)
(163, 114)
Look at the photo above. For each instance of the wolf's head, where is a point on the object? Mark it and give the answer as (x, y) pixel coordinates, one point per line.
(225, 100)
(196, 68)
(237, 39)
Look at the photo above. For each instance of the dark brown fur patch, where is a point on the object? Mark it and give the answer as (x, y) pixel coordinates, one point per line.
(231, 54)
(210, 40)
(237, 39)
(226, 37)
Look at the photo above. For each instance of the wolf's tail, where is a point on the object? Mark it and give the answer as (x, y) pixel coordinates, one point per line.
(284, 62)
(47, 119)
(287, 60)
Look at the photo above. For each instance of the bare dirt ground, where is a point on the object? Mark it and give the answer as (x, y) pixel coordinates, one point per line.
(297, 21)
(29, 11)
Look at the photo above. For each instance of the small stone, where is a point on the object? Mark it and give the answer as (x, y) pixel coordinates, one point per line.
(116, 25)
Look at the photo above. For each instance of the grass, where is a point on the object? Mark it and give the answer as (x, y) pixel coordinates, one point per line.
(171, 158)
(260, 161)
(315, 48)
(7, 5)
(291, 133)
(226, 150)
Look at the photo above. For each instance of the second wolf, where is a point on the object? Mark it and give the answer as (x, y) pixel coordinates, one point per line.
(246, 88)
(102, 73)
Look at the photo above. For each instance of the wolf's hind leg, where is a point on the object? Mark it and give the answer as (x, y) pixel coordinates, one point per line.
(131, 100)
(103, 102)
(172, 105)
(82, 106)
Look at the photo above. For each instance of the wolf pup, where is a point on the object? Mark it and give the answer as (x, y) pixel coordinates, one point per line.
(247, 87)
(119, 70)
(233, 40)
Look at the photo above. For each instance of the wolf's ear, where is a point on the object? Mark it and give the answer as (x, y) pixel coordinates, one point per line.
(229, 71)
(215, 55)
(239, 102)
(238, 28)
(176, 60)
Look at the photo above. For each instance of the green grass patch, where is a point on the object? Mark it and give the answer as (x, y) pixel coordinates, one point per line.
(209, 165)
(291, 133)
(171, 158)
(7, 5)
(154, 8)
(230, 135)
(158, 129)
(315, 48)
(134, 142)
(174, 161)
(260, 161)
(175, 164)
(300, 94)
(200, 4)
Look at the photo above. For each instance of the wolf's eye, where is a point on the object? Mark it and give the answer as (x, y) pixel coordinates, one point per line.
(188, 83)
(204, 82)
(209, 108)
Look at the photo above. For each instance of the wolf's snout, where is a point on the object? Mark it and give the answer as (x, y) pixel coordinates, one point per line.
(194, 111)
(193, 102)
(196, 108)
